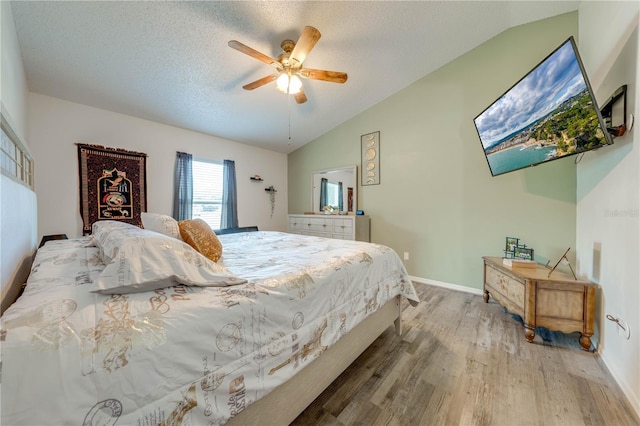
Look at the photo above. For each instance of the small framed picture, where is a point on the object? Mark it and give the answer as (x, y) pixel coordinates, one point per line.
(511, 244)
(523, 253)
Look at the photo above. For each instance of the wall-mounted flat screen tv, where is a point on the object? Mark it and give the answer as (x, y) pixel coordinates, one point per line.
(550, 113)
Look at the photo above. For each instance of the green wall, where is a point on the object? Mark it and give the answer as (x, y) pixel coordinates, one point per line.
(437, 199)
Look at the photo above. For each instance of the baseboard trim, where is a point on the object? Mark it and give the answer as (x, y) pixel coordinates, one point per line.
(447, 285)
(632, 399)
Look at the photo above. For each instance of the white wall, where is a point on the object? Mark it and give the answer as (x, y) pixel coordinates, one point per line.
(14, 89)
(608, 194)
(18, 237)
(55, 127)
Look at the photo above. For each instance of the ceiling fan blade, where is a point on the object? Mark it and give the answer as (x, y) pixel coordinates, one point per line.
(332, 76)
(258, 83)
(300, 97)
(234, 44)
(307, 40)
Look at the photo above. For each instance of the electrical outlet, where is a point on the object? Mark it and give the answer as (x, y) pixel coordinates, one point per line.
(406, 255)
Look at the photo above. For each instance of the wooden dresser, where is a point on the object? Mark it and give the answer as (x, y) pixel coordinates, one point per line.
(557, 302)
(342, 227)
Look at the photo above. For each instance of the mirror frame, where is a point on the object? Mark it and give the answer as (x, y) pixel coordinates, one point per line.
(353, 169)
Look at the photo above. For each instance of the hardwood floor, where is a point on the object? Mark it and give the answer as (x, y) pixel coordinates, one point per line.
(461, 361)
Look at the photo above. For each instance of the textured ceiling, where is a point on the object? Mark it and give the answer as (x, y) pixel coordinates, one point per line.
(169, 61)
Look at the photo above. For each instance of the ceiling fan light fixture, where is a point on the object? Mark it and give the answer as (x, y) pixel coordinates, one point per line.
(290, 85)
(289, 65)
(294, 84)
(282, 82)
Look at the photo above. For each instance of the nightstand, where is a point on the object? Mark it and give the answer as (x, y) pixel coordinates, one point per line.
(52, 237)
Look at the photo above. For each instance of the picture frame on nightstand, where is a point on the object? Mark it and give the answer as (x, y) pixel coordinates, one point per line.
(511, 243)
(509, 246)
(523, 253)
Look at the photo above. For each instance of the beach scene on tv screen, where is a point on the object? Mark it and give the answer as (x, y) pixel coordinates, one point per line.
(549, 114)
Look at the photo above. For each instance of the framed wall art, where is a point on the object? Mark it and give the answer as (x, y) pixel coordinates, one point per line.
(113, 185)
(370, 149)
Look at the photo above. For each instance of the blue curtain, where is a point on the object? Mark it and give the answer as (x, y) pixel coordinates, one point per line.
(340, 201)
(229, 218)
(323, 193)
(183, 187)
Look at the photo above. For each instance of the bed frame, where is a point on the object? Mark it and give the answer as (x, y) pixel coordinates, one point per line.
(311, 381)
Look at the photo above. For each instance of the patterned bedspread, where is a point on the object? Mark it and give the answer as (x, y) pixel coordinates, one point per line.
(183, 355)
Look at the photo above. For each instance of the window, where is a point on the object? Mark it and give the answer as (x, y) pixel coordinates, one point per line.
(333, 194)
(15, 162)
(207, 191)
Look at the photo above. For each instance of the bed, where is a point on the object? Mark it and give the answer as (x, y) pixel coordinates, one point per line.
(283, 316)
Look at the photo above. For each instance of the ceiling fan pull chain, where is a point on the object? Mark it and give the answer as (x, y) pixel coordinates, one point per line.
(289, 113)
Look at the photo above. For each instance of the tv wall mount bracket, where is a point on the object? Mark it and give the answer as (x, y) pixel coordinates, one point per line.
(614, 113)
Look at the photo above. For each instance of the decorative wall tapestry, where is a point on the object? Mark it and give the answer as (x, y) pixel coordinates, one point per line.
(113, 185)
(370, 146)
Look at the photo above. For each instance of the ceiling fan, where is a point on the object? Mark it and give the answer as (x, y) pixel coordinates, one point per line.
(289, 65)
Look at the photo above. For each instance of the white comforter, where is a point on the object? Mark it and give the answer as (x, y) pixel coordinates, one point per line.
(183, 355)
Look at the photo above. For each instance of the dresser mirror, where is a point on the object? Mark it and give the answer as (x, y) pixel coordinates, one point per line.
(334, 190)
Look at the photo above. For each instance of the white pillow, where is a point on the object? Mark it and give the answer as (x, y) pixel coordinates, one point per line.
(143, 260)
(107, 235)
(160, 223)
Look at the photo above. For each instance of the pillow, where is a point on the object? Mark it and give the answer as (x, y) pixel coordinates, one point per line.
(147, 260)
(107, 234)
(199, 235)
(161, 223)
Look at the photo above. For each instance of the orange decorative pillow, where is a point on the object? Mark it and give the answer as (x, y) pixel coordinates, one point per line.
(198, 234)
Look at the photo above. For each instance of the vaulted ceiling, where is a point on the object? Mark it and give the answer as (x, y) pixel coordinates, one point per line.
(169, 61)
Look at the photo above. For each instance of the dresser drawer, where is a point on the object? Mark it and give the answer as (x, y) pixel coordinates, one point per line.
(298, 223)
(343, 227)
(339, 236)
(506, 289)
(317, 224)
(331, 226)
(511, 287)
